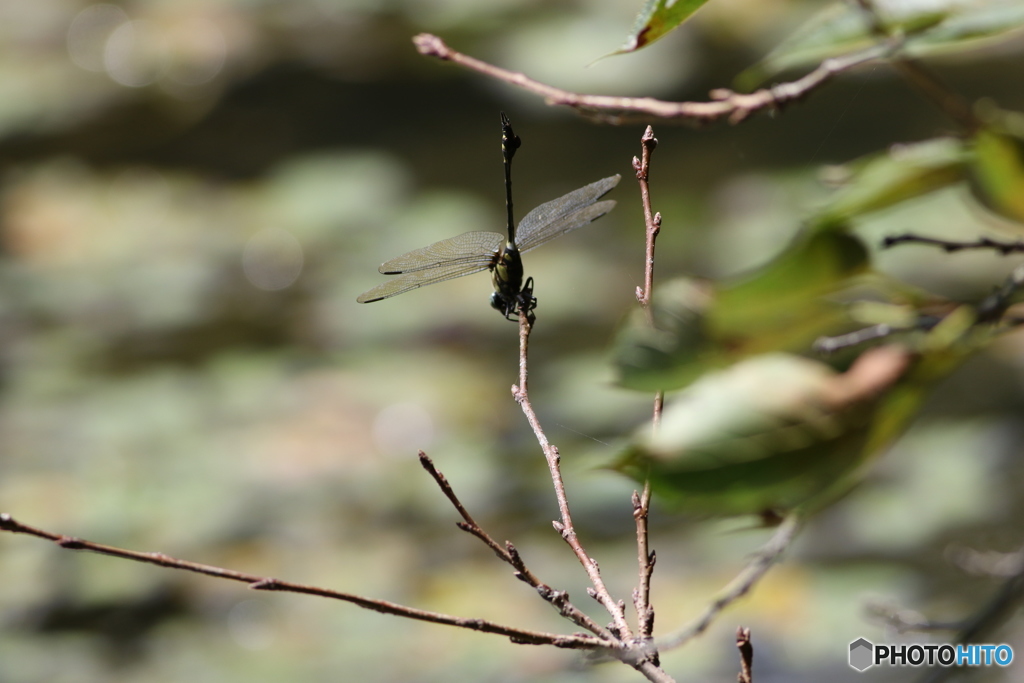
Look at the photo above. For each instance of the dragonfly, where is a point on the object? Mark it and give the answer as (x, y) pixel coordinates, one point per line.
(473, 252)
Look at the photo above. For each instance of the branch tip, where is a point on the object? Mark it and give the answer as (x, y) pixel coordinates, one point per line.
(746, 655)
(430, 45)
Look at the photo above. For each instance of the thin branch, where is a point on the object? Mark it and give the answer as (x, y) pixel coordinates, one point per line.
(926, 83)
(988, 563)
(646, 559)
(516, 635)
(564, 526)
(652, 221)
(741, 585)
(611, 109)
(981, 626)
(636, 653)
(951, 246)
(746, 649)
(904, 620)
(653, 672)
(507, 553)
(642, 502)
(828, 345)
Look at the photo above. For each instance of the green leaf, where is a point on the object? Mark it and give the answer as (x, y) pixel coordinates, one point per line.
(656, 19)
(777, 432)
(929, 28)
(998, 173)
(677, 349)
(970, 25)
(903, 172)
(784, 306)
(767, 435)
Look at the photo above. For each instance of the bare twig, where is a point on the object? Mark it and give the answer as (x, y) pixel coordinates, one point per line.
(986, 563)
(516, 635)
(982, 625)
(741, 585)
(564, 525)
(652, 221)
(611, 109)
(636, 652)
(1003, 248)
(927, 83)
(829, 345)
(903, 620)
(746, 649)
(508, 554)
(642, 502)
(645, 560)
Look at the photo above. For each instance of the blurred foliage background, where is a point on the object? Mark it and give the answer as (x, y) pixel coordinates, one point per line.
(194, 193)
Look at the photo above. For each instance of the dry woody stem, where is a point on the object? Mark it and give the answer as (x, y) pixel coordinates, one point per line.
(564, 525)
(762, 561)
(724, 104)
(508, 554)
(746, 649)
(263, 583)
(642, 501)
(951, 246)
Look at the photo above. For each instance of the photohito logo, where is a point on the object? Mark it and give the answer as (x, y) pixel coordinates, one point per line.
(864, 654)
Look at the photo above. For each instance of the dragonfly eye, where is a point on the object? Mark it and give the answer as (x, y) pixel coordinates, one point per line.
(497, 303)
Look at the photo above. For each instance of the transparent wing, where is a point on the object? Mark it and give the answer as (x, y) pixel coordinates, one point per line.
(565, 214)
(469, 248)
(464, 254)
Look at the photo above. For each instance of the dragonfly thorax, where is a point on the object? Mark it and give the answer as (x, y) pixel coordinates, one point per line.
(507, 277)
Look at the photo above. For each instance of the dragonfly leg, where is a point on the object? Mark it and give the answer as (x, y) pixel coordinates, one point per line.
(526, 301)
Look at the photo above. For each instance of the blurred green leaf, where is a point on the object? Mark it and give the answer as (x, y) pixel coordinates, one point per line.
(777, 432)
(783, 303)
(768, 434)
(783, 307)
(677, 349)
(998, 173)
(903, 172)
(656, 19)
(946, 26)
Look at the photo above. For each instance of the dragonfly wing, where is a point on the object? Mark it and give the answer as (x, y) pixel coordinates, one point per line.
(421, 278)
(565, 214)
(469, 249)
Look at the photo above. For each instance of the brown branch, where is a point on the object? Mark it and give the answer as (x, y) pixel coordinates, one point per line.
(829, 345)
(516, 635)
(652, 221)
(906, 621)
(635, 652)
(951, 246)
(642, 502)
(564, 525)
(741, 585)
(724, 103)
(981, 626)
(746, 649)
(507, 553)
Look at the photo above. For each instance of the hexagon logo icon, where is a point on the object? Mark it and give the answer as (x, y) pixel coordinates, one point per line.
(862, 654)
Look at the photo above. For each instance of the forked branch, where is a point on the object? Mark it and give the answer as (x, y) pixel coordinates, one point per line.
(508, 554)
(564, 524)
